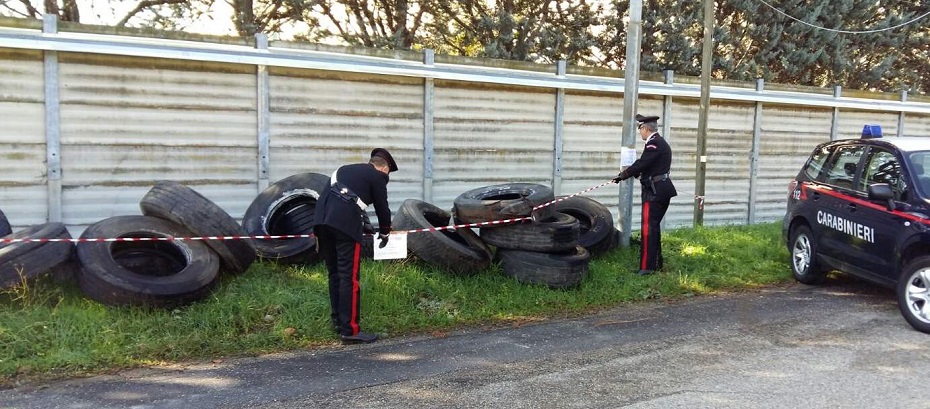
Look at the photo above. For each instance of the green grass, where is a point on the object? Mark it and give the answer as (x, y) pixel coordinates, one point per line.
(49, 330)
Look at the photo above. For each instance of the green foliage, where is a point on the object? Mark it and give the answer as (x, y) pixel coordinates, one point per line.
(48, 329)
(751, 39)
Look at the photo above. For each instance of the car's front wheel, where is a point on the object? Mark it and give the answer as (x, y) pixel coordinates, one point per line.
(913, 291)
(803, 251)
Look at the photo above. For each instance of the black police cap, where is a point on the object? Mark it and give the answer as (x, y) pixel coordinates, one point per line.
(387, 156)
(646, 119)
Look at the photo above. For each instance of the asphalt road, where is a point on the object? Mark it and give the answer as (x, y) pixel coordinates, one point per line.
(840, 345)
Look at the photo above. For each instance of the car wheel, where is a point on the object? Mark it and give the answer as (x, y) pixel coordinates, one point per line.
(803, 251)
(913, 292)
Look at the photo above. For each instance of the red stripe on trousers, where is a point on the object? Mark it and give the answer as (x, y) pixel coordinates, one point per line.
(645, 255)
(353, 322)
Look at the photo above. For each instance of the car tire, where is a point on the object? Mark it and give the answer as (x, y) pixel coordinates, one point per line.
(913, 292)
(597, 224)
(163, 274)
(180, 204)
(557, 233)
(5, 228)
(498, 202)
(27, 260)
(803, 251)
(554, 270)
(287, 206)
(459, 251)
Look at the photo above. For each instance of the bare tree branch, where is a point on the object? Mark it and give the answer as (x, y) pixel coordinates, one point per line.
(144, 5)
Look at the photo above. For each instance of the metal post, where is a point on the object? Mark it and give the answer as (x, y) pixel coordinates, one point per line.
(559, 131)
(669, 76)
(901, 114)
(707, 64)
(754, 156)
(52, 123)
(630, 99)
(834, 126)
(429, 59)
(263, 111)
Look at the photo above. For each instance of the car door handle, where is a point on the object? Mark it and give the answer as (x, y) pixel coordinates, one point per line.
(816, 195)
(851, 207)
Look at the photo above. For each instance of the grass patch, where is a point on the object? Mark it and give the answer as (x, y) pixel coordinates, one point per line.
(50, 330)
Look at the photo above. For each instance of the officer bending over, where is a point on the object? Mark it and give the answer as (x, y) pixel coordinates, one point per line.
(339, 220)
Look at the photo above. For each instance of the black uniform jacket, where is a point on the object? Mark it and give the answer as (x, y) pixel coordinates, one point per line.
(656, 160)
(370, 185)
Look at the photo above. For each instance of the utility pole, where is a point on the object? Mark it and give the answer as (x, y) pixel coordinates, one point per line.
(630, 99)
(707, 64)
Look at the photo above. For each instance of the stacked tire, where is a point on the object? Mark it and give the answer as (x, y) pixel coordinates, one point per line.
(543, 250)
(149, 260)
(23, 259)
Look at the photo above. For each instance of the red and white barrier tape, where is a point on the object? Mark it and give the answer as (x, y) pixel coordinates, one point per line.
(295, 236)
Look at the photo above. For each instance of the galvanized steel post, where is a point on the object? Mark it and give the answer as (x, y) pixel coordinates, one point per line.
(559, 131)
(669, 79)
(52, 123)
(834, 125)
(263, 111)
(901, 114)
(429, 59)
(754, 155)
(630, 100)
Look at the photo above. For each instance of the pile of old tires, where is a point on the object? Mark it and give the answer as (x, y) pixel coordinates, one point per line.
(174, 252)
(147, 260)
(553, 248)
(156, 264)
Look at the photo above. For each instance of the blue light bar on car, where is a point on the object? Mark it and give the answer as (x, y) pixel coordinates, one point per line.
(871, 131)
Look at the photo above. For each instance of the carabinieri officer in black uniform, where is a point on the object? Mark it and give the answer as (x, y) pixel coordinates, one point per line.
(652, 169)
(339, 220)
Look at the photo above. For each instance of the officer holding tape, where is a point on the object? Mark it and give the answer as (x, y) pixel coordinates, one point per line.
(652, 169)
(339, 222)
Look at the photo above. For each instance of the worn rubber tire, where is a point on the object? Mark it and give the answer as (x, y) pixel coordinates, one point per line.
(554, 234)
(597, 224)
(25, 261)
(803, 252)
(459, 252)
(4, 225)
(161, 274)
(178, 203)
(555, 270)
(911, 291)
(498, 202)
(287, 206)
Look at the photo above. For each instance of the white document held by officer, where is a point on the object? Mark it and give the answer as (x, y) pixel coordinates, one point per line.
(627, 156)
(396, 247)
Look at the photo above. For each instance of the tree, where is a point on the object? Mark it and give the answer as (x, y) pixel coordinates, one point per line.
(69, 10)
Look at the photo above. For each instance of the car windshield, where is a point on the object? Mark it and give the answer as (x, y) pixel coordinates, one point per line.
(920, 162)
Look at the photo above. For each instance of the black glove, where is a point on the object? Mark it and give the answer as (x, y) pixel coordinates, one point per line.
(367, 228)
(618, 178)
(384, 239)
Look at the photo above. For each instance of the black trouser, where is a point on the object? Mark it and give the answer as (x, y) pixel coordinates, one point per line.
(342, 255)
(650, 254)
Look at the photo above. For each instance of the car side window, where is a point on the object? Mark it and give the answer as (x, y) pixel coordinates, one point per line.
(883, 167)
(920, 162)
(816, 162)
(842, 169)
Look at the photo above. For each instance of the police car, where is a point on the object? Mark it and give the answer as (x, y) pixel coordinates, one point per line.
(862, 206)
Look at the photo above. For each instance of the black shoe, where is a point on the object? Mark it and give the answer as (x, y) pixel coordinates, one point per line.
(360, 338)
(645, 272)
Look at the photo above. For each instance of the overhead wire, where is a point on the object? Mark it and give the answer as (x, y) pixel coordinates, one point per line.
(878, 30)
